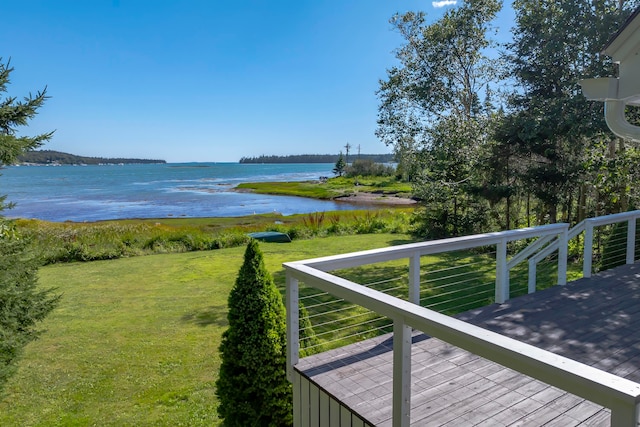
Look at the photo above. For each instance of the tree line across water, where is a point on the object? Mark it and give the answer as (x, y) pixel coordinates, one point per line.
(47, 157)
(318, 158)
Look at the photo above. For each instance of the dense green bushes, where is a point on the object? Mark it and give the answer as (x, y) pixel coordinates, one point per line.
(368, 168)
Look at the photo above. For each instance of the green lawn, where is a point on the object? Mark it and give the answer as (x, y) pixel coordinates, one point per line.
(135, 340)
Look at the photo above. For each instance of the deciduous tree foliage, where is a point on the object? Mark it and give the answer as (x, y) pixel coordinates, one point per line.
(435, 106)
(252, 388)
(544, 155)
(551, 127)
(22, 303)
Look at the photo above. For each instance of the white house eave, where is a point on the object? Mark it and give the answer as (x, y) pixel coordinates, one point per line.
(618, 93)
(622, 42)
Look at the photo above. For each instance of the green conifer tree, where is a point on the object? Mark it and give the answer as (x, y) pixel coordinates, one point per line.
(22, 303)
(340, 165)
(252, 388)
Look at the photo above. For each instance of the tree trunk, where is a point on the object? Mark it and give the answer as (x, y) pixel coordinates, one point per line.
(455, 216)
(528, 209)
(508, 216)
(553, 213)
(582, 203)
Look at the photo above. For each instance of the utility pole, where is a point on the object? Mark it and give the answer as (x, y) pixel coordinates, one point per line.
(347, 147)
(358, 151)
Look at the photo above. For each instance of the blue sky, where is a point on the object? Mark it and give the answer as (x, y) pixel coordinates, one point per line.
(205, 80)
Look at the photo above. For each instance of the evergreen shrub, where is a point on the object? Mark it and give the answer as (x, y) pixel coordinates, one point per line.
(23, 304)
(252, 387)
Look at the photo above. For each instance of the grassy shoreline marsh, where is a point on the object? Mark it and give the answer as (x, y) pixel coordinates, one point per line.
(332, 188)
(69, 241)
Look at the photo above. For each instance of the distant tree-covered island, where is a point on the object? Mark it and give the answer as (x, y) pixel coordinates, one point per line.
(317, 158)
(50, 157)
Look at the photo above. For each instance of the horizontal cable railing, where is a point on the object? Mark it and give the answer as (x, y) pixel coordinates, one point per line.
(366, 294)
(607, 241)
(602, 388)
(451, 283)
(334, 322)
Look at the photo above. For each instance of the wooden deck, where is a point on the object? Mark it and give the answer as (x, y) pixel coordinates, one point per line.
(595, 321)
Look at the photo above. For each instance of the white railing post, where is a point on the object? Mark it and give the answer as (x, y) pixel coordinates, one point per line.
(533, 272)
(631, 241)
(293, 334)
(414, 278)
(502, 272)
(401, 374)
(625, 415)
(588, 249)
(563, 253)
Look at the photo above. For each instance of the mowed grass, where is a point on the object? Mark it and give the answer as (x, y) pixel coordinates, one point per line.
(135, 341)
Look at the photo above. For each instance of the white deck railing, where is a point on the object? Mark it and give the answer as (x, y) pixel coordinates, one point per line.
(587, 226)
(620, 395)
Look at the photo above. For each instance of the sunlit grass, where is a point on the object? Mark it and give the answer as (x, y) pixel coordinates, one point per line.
(310, 189)
(135, 341)
(331, 188)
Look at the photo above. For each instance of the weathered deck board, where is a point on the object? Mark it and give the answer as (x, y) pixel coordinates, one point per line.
(595, 321)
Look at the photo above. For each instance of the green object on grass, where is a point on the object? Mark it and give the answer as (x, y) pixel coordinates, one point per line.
(271, 236)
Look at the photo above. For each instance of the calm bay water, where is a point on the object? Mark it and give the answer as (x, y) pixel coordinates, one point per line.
(91, 193)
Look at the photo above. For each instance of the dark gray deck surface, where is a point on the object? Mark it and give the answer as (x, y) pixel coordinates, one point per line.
(595, 321)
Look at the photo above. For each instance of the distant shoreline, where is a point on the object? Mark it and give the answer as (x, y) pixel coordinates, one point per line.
(317, 158)
(57, 158)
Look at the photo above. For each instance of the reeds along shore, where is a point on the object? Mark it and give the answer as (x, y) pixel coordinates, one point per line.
(68, 241)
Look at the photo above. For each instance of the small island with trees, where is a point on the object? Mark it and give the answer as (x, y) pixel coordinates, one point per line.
(50, 157)
(317, 158)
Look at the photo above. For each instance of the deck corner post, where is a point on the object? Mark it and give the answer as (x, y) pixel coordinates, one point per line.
(414, 278)
(588, 249)
(293, 335)
(563, 254)
(631, 241)
(401, 374)
(502, 272)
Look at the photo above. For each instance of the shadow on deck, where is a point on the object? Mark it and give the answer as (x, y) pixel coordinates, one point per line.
(595, 321)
